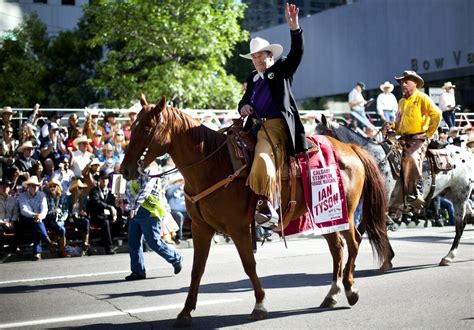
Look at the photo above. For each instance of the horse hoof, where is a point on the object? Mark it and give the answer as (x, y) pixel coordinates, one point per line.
(258, 314)
(328, 303)
(445, 262)
(353, 297)
(183, 322)
(386, 267)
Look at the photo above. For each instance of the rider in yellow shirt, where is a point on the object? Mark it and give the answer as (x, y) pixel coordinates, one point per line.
(416, 121)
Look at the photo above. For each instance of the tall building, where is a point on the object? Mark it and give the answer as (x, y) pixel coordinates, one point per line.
(57, 15)
(262, 14)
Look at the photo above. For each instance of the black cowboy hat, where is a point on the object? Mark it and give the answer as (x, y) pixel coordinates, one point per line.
(6, 182)
(54, 114)
(110, 114)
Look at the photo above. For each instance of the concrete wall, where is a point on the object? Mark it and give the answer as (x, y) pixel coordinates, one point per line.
(373, 40)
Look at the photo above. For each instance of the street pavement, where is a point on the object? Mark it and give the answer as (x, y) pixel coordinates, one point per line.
(90, 292)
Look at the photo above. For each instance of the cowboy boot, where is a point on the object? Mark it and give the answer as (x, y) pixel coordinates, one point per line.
(416, 199)
(265, 215)
(85, 244)
(62, 248)
(52, 246)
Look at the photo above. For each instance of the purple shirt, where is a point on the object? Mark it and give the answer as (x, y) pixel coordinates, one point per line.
(262, 102)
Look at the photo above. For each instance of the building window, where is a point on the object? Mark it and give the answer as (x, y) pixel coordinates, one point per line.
(40, 1)
(68, 2)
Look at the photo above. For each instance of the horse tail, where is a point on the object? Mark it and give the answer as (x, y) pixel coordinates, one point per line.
(374, 205)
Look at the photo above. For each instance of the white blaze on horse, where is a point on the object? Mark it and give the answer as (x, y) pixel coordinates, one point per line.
(203, 159)
(456, 184)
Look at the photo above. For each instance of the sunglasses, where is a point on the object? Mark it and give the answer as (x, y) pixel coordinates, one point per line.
(9, 131)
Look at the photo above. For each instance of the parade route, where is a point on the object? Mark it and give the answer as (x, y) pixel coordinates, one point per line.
(90, 292)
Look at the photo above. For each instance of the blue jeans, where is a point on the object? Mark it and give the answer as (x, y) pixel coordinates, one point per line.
(143, 225)
(389, 116)
(39, 234)
(449, 118)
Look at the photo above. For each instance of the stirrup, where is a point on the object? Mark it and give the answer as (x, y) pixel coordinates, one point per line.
(269, 219)
(415, 201)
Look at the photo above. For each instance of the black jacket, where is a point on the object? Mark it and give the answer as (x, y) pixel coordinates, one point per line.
(280, 79)
(98, 203)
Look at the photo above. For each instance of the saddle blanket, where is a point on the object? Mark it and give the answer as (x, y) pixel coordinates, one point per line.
(328, 210)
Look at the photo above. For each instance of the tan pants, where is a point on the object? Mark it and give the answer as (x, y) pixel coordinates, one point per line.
(412, 161)
(263, 175)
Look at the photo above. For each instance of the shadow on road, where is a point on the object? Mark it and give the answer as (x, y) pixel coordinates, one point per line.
(211, 321)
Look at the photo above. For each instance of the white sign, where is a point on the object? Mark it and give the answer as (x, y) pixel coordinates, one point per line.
(327, 203)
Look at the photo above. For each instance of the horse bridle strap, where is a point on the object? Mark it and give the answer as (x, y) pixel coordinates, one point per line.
(225, 182)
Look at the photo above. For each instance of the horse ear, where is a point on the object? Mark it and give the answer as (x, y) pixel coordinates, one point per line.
(324, 120)
(162, 104)
(143, 101)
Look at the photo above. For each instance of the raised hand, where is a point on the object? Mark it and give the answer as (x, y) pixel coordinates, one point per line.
(291, 15)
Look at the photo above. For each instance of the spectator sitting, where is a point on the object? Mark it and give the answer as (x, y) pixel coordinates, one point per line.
(91, 124)
(102, 210)
(33, 210)
(64, 175)
(6, 120)
(175, 196)
(77, 205)
(29, 133)
(75, 133)
(108, 158)
(81, 157)
(470, 144)
(453, 133)
(132, 115)
(73, 124)
(53, 117)
(8, 211)
(48, 169)
(120, 144)
(37, 171)
(53, 145)
(7, 150)
(90, 174)
(97, 143)
(109, 126)
(24, 160)
(57, 214)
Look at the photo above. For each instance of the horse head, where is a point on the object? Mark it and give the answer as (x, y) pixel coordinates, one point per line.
(149, 129)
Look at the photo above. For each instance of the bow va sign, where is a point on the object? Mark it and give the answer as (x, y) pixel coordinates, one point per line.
(458, 58)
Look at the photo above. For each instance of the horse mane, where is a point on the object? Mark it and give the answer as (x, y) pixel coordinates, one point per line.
(342, 132)
(209, 140)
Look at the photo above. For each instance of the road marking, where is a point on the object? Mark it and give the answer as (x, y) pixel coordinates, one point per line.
(63, 277)
(110, 314)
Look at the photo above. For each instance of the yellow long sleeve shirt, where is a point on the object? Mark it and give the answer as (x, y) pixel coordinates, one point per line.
(417, 115)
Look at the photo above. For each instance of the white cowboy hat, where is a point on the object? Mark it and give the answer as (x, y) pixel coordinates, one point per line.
(27, 144)
(259, 45)
(388, 85)
(7, 109)
(80, 139)
(95, 161)
(467, 128)
(447, 85)
(470, 140)
(77, 184)
(411, 74)
(32, 180)
(91, 112)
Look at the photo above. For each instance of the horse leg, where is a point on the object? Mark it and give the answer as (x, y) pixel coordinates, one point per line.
(202, 237)
(336, 246)
(243, 243)
(353, 239)
(460, 224)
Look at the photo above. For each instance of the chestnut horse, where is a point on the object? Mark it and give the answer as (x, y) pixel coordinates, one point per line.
(198, 154)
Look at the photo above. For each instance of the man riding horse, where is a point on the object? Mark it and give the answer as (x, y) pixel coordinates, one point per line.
(416, 121)
(269, 102)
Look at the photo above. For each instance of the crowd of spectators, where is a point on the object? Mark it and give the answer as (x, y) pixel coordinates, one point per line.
(55, 178)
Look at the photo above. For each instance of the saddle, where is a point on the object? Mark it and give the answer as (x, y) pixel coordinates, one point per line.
(440, 159)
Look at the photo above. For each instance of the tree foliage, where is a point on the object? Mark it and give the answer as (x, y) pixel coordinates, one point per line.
(175, 48)
(22, 64)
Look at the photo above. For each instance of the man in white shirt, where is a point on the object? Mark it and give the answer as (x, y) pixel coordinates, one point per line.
(81, 157)
(387, 104)
(357, 103)
(447, 103)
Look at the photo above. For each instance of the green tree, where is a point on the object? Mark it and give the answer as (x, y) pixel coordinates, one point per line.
(22, 64)
(176, 48)
(71, 63)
